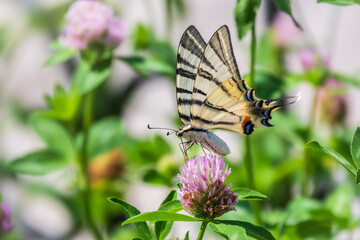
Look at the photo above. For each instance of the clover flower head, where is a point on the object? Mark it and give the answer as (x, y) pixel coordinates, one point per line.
(5, 219)
(204, 193)
(91, 20)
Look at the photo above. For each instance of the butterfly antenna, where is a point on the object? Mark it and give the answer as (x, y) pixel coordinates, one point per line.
(167, 134)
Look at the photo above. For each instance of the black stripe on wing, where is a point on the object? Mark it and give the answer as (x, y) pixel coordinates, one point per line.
(217, 108)
(184, 62)
(186, 73)
(191, 42)
(190, 51)
(206, 121)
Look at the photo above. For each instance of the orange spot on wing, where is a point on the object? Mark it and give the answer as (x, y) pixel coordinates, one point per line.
(246, 120)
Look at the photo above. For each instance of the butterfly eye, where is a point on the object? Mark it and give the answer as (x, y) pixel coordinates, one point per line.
(180, 134)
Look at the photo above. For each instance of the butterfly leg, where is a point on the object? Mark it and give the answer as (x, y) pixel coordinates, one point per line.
(184, 148)
(181, 146)
(203, 147)
(188, 147)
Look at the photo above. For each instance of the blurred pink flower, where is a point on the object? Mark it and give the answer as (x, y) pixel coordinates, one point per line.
(204, 193)
(285, 31)
(116, 32)
(310, 58)
(333, 101)
(5, 220)
(91, 20)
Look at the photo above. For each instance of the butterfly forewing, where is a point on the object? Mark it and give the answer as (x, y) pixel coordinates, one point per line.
(218, 64)
(190, 53)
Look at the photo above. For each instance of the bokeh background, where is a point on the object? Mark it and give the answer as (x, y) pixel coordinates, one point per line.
(44, 207)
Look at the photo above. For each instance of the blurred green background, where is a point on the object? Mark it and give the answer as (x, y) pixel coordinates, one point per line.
(312, 196)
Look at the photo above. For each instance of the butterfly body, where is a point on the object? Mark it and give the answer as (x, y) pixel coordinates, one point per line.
(211, 95)
(203, 137)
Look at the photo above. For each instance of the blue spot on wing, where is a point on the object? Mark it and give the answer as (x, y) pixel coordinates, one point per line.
(249, 95)
(249, 128)
(266, 123)
(267, 113)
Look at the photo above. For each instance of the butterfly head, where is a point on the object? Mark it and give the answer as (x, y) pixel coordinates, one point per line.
(182, 132)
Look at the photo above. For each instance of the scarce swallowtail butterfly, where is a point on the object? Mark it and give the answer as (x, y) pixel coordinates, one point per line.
(211, 95)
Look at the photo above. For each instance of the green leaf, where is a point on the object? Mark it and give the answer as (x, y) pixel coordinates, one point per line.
(347, 79)
(131, 212)
(54, 135)
(312, 229)
(340, 2)
(170, 197)
(251, 229)
(267, 85)
(357, 179)
(64, 105)
(164, 51)
(187, 236)
(162, 229)
(145, 65)
(106, 135)
(38, 163)
(161, 216)
(249, 194)
(339, 203)
(229, 232)
(61, 54)
(285, 6)
(141, 36)
(88, 77)
(245, 14)
(355, 148)
(349, 165)
(172, 206)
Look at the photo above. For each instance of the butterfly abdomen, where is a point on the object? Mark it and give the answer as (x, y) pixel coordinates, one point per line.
(216, 144)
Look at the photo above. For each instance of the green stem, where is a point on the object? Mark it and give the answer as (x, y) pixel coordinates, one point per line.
(249, 165)
(307, 160)
(249, 162)
(84, 182)
(253, 56)
(202, 230)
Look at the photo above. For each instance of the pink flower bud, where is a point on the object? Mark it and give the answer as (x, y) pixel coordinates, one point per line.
(310, 58)
(92, 21)
(333, 101)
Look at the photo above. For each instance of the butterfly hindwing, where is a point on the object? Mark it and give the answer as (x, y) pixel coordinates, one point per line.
(240, 112)
(190, 53)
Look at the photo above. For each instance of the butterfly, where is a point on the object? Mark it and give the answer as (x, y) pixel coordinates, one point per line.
(211, 95)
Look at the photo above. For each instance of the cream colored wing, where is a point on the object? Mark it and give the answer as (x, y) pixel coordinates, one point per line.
(227, 107)
(217, 64)
(225, 101)
(190, 53)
